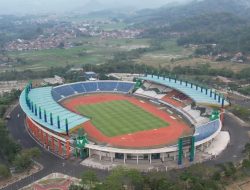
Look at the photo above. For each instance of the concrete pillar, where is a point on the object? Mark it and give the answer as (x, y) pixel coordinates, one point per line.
(59, 147)
(52, 143)
(89, 152)
(111, 157)
(100, 156)
(137, 158)
(124, 158)
(47, 139)
(150, 158)
(41, 136)
(67, 149)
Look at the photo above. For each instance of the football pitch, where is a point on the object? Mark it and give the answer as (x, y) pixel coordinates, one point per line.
(120, 117)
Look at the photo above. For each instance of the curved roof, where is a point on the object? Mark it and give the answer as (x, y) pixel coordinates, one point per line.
(199, 95)
(42, 97)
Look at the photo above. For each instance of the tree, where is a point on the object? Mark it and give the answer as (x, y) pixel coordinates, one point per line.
(24, 160)
(89, 179)
(133, 179)
(75, 187)
(61, 45)
(4, 171)
(32, 153)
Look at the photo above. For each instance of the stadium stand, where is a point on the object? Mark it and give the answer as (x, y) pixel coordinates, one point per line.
(168, 98)
(206, 130)
(78, 87)
(197, 94)
(64, 91)
(107, 86)
(125, 87)
(90, 86)
(148, 94)
(48, 103)
(55, 95)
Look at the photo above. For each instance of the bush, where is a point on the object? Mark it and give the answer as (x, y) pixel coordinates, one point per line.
(4, 171)
(24, 161)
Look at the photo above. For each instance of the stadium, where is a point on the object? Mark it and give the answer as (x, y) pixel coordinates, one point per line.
(153, 120)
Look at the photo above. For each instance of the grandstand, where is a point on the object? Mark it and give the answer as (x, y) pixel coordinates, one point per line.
(53, 117)
(198, 94)
(68, 90)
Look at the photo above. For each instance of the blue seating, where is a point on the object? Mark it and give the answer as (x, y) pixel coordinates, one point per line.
(206, 130)
(65, 90)
(90, 86)
(55, 95)
(124, 87)
(78, 87)
(107, 86)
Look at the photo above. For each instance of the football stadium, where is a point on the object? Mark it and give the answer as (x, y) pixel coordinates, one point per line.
(154, 119)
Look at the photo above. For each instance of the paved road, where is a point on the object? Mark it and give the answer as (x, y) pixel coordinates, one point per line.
(50, 162)
(238, 138)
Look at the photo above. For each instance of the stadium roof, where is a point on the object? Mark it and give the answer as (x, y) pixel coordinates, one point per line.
(42, 97)
(199, 95)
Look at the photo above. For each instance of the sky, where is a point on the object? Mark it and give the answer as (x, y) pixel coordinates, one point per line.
(60, 6)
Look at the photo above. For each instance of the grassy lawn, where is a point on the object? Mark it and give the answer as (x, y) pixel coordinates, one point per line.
(92, 51)
(181, 57)
(120, 117)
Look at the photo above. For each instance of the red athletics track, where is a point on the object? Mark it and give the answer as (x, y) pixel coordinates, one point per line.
(149, 138)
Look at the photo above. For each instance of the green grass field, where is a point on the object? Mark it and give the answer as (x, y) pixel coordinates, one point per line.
(91, 51)
(120, 117)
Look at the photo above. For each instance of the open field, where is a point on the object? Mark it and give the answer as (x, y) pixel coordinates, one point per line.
(90, 51)
(174, 55)
(93, 50)
(120, 117)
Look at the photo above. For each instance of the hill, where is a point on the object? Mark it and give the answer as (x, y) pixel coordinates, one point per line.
(170, 14)
(222, 22)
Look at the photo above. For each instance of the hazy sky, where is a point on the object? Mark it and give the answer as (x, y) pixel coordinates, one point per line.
(42, 6)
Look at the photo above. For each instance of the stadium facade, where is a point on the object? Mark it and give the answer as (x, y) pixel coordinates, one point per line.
(53, 125)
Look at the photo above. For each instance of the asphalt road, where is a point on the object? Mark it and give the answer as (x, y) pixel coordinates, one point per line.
(238, 138)
(52, 163)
